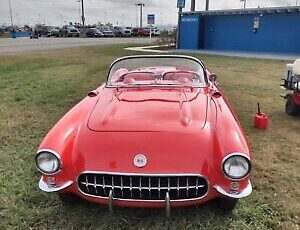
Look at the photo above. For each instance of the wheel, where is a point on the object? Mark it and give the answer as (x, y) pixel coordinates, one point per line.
(68, 198)
(227, 205)
(291, 108)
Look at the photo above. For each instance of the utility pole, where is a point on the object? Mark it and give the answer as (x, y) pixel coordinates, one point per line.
(61, 20)
(178, 28)
(193, 5)
(11, 17)
(82, 13)
(39, 18)
(136, 16)
(79, 1)
(245, 2)
(207, 5)
(141, 5)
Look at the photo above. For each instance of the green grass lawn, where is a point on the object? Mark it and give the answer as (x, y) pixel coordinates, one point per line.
(37, 89)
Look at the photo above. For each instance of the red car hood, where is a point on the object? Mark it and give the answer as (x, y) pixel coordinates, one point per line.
(168, 126)
(153, 110)
(166, 152)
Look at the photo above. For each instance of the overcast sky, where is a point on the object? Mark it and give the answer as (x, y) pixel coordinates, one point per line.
(57, 12)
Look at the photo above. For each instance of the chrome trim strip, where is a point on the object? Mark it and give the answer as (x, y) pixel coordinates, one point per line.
(236, 154)
(246, 192)
(46, 188)
(142, 174)
(52, 152)
(137, 174)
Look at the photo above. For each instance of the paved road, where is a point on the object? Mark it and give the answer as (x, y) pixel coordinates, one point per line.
(21, 45)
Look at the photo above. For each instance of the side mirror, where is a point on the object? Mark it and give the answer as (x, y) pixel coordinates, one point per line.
(213, 77)
(217, 94)
(93, 93)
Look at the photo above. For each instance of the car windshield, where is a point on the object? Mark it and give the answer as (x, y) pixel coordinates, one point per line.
(105, 28)
(173, 71)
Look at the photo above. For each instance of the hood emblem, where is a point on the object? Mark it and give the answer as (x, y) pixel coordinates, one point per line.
(140, 161)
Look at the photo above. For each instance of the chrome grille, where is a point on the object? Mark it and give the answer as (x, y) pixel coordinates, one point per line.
(143, 187)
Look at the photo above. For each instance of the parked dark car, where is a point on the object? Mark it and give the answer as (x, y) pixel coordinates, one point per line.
(54, 32)
(69, 31)
(117, 31)
(43, 31)
(94, 33)
(107, 31)
(137, 31)
(146, 31)
(122, 31)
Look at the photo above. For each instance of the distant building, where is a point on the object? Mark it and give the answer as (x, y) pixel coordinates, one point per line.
(268, 30)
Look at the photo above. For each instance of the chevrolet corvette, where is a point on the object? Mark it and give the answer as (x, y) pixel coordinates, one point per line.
(158, 134)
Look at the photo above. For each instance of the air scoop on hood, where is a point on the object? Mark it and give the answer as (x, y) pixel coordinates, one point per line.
(149, 111)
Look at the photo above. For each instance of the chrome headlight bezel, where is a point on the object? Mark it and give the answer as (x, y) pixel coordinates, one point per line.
(55, 156)
(232, 155)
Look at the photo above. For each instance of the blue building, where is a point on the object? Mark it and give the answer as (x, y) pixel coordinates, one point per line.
(267, 30)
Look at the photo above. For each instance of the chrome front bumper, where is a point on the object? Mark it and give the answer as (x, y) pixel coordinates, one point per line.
(51, 188)
(236, 195)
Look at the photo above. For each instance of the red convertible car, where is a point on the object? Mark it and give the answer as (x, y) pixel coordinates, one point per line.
(159, 134)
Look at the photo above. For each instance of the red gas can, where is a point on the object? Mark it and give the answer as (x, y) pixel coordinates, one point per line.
(261, 121)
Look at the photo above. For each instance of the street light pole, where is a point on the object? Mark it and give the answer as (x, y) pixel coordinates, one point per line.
(10, 11)
(207, 5)
(245, 2)
(193, 5)
(178, 28)
(79, 1)
(39, 18)
(141, 5)
(83, 18)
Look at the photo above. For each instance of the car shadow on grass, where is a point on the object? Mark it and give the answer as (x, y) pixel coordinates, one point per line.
(96, 216)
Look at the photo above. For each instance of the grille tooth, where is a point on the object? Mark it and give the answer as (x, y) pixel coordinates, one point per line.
(130, 187)
(87, 183)
(187, 186)
(140, 187)
(150, 188)
(178, 189)
(104, 185)
(95, 184)
(143, 187)
(122, 187)
(196, 186)
(159, 188)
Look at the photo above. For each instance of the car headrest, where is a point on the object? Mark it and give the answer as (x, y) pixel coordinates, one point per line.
(296, 68)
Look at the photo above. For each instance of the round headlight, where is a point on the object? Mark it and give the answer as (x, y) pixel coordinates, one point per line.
(47, 162)
(236, 167)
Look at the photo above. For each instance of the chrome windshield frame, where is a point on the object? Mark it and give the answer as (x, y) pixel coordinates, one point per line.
(158, 56)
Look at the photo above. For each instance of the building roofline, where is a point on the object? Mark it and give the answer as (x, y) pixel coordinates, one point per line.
(268, 10)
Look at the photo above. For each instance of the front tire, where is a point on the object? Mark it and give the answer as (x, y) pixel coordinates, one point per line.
(68, 198)
(227, 205)
(291, 108)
